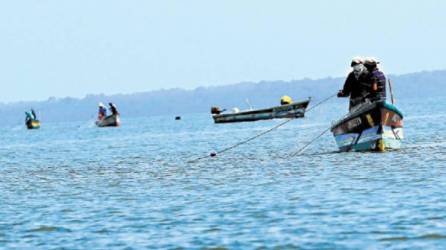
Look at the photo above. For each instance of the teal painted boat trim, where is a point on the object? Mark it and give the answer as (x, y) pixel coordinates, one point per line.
(393, 108)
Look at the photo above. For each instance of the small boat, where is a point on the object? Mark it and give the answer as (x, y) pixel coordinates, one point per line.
(112, 120)
(32, 124)
(376, 126)
(109, 121)
(291, 110)
(31, 120)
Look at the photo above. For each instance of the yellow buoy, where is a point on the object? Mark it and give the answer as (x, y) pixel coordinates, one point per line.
(285, 100)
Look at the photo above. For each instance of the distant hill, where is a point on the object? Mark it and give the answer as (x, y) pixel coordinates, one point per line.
(180, 101)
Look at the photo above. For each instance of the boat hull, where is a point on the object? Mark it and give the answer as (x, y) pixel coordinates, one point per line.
(109, 121)
(33, 124)
(293, 110)
(372, 127)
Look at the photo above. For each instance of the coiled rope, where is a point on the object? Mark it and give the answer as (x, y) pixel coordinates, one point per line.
(264, 133)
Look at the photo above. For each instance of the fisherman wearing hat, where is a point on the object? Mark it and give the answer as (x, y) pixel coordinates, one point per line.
(376, 80)
(353, 86)
(113, 108)
(102, 111)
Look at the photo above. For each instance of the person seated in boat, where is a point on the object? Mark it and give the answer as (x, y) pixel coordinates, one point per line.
(102, 113)
(353, 86)
(376, 81)
(113, 108)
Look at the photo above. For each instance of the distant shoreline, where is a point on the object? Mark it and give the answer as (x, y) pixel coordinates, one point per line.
(179, 101)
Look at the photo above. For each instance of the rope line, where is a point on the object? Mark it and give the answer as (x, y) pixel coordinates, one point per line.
(319, 103)
(266, 132)
(244, 141)
(298, 152)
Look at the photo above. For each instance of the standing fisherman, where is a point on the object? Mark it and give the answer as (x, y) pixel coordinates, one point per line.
(113, 108)
(29, 117)
(376, 81)
(102, 113)
(34, 114)
(353, 86)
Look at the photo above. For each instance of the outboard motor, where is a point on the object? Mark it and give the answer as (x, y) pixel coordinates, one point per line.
(215, 110)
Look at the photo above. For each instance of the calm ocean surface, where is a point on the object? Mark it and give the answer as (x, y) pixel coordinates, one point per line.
(75, 186)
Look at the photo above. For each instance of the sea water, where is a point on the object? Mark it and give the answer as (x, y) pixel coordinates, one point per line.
(74, 186)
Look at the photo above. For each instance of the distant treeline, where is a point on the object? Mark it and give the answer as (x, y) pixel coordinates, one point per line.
(179, 101)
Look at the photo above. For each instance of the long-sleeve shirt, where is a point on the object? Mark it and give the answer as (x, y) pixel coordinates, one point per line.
(378, 79)
(352, 86)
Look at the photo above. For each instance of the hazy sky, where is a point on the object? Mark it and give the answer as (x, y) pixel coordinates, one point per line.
(72, 48)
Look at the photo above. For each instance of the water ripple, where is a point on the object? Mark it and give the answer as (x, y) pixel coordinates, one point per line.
(132, 187)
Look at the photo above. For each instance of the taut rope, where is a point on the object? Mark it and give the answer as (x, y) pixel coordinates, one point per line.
(264, 133)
